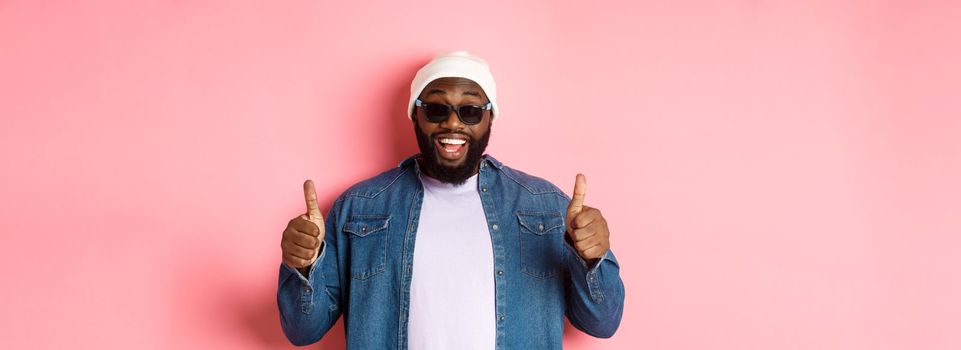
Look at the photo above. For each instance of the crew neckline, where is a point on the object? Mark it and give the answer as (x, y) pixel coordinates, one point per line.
(435, 185)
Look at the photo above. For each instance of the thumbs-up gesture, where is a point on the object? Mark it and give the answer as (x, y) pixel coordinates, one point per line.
(303, 235)
(586, 226)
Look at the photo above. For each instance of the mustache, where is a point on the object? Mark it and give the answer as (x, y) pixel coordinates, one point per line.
(437, 134)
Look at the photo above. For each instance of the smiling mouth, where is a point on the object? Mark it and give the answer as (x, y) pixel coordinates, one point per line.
(451, 148)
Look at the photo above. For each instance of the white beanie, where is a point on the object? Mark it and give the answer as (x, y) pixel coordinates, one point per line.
(457, 64)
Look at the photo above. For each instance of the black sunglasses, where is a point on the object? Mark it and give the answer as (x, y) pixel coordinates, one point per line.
(439, 112)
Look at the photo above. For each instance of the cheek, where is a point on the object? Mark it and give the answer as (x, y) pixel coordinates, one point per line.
(480, 129)
(427, 129)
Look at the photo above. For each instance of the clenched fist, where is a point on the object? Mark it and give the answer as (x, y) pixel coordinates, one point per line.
(304, 234)
(586, 226)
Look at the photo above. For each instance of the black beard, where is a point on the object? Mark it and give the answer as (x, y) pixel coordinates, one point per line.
(456, 175)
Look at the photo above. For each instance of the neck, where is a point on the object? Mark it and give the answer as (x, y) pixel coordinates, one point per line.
(426, 170)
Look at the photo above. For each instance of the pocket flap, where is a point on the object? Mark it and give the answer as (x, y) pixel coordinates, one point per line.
(363, 225)
(540, 223)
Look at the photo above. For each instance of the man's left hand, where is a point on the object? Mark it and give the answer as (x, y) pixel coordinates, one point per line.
(586, 226)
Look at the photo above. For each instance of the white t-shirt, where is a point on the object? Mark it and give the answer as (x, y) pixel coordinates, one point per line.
(452, 284)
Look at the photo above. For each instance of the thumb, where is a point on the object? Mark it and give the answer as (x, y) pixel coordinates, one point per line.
(577, 200)
(310, 196)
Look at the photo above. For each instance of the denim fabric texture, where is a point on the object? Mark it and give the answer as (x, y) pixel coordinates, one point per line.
(364, 269)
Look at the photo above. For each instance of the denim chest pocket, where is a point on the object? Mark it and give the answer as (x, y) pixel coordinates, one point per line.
(541, 239)
(368, 244)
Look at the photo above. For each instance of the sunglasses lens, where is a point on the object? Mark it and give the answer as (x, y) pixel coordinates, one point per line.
(436, 113)
(471, 114)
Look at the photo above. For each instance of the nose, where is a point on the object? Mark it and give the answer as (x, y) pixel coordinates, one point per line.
(453, 121)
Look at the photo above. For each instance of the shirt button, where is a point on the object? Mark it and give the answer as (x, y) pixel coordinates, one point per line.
(501, 273)
(502, 318)
(494, 227)
(540, 227)
(484, 189)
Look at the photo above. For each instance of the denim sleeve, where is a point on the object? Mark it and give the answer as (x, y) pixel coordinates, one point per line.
(310, 305)
(596, 299)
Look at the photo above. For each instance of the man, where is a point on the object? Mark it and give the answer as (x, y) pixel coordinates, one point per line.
(451, 249)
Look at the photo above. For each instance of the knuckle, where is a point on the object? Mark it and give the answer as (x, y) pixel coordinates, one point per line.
(583, 233)
(307, 227)
(307, 241)
(301, 241)
(295, 225)
(303, 235)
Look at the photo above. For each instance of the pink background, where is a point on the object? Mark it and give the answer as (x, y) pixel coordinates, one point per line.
(777, 174)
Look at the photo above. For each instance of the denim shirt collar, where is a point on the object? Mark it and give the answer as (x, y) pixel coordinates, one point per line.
(485, 160)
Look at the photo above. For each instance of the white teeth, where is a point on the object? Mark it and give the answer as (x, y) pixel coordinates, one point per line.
(452, 141)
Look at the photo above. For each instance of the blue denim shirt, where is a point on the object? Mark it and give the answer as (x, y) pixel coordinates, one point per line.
(365, 263)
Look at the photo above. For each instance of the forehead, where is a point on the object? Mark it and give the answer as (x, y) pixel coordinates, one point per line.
(454, 85)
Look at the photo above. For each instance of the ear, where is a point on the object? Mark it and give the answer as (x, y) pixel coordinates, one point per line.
(414, 113)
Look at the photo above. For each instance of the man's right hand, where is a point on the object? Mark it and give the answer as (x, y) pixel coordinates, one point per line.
(304, 234)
